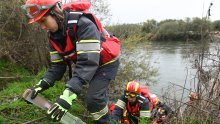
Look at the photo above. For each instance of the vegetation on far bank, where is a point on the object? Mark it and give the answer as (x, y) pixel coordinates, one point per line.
(166, 30)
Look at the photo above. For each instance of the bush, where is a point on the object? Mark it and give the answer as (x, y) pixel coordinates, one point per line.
(20, 42)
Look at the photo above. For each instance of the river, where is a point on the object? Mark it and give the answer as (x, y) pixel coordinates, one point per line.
(170, 61)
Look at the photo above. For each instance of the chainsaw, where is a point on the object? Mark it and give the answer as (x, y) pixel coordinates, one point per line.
(44, 104)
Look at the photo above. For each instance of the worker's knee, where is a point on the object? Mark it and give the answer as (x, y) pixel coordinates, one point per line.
(95, 102)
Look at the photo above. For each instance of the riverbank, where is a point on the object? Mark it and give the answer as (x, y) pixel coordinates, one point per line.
(13, 109)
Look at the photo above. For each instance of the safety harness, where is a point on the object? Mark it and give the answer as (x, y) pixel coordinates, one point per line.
(110, 45)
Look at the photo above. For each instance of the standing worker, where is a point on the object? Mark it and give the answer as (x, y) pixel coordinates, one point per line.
(75, 36)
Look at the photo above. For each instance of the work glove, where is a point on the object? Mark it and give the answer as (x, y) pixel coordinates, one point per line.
(63, 103)
(40, 87)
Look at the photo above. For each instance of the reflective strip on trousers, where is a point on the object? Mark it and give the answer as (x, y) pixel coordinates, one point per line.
(98, 115)
(145, 114)
(121, 104)
(55, 57)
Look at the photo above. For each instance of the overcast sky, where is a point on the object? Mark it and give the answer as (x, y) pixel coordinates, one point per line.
(134, 11)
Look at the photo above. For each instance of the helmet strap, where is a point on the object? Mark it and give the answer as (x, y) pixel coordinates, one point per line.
(57, 13)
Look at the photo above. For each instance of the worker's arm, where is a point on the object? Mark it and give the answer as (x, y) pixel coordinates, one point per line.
(119, 107)
(144, 110)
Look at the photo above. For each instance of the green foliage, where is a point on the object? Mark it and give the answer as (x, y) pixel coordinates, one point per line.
(20, 42)
(12, 16)
(12, 69)
(11, 72)
(124, 31)
(13, 109)
(131, 68)
(101, 9)
(169, 28)
(135, 70)
(216, 25)
(130, 43)
(17, 111)
(150, 26)
(196, 25)
(182, 30)
(165, 30)
(12, 106)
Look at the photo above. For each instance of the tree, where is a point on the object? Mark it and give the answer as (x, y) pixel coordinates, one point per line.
(101, 9)
(200, 24)
(19, 42)
(168, 30)
(216, 25)
(149, 26)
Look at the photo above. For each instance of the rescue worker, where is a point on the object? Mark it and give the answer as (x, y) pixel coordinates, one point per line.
(79, 44)
(160, 112)
(132, 107)
(193, 101)
(193, 96)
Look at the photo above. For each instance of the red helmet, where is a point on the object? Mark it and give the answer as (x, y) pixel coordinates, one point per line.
(133, 87)
(36, 9)
(154, 99)
(193, 95)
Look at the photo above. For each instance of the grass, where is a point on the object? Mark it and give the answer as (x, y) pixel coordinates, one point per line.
(13, 109)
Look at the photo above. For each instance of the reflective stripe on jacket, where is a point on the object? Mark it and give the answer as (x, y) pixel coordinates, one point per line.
(136, 109)
(86, 57)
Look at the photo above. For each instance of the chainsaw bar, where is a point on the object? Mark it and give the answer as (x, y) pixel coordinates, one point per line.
(44, 104)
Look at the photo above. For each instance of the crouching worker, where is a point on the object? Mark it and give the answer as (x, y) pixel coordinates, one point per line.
(160, 112)
(132, 107)
(75, 36)
(193, 96)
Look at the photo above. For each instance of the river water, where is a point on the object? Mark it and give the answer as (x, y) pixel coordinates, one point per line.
(172, 65)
